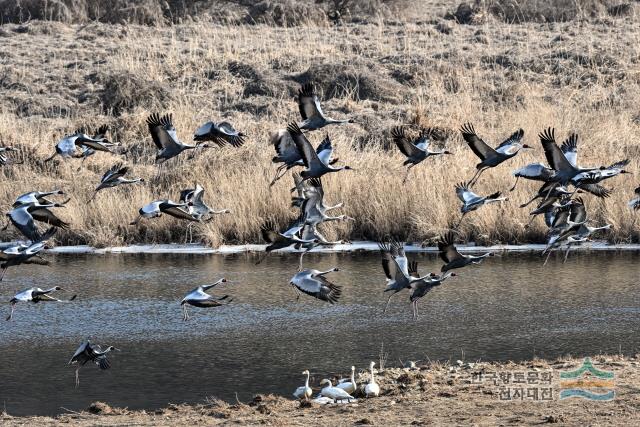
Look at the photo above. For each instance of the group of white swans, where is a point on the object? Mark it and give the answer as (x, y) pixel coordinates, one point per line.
(343, 390)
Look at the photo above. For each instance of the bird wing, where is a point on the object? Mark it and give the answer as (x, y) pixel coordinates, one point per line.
(555, 156)
(596, 189)
(81, 349)
(48, 217)
(286, 150)
(308, 102)
(403, 143)
(162, 131)
(570, 149)
(618, 165)
(578, 211)
(464, 194)
(178, 212)
(447, 249)
(319, 287)
(309, 155)
(477, 145)
(515, 137)
(388, 265)
(24, 222)
(269, 235)
(116, 171)
(230, 134)
(325, 150)
(534, 171)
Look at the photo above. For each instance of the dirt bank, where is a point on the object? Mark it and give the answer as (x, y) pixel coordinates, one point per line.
(439, 394)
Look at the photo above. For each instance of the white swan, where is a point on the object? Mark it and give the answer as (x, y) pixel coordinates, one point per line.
(372, 389)
(349, 385)
(334, 393)
(304, 391)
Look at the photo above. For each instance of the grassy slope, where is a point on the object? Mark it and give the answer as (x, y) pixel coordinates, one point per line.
(577, 76)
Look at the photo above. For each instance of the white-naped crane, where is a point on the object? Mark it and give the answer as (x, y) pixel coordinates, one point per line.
(38, 197)
(4, 160)
(372, 389)
(454, 259)
(420, 288)
(114, 177)
(285, 239)
(312, 206)
(304, 391)
(156, 208)
(549, 205)
(88, 352)
(490, 157)
(471, 201)
(198, 297)
(35, 295)
(635, 202)
(396, 269)
(314, 166)
(551, 189)
(287, 153)
(24, 216)
(21, 254)
(313, 283)
(599, 175)
(311, 112)
(564, 162)
(349, 384)
(220, 133)
(80, 145)
(165, 137)
(415, 150)
(335, 393)
(310, 233)
(193, 197)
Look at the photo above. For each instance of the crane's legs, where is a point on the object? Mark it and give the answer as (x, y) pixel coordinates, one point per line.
(514, 185)
(13, 306)
(524, 205)
(566, 254)
(547, 258)
(387, 304)
(300, 262)
(476, 176)
(297, 292)
(406, 175)
(77, 376)
(185, 313)
(282, 169)
(460, 222)
(4, 270)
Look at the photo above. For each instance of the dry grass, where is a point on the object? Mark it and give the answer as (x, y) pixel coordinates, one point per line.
(580, 76)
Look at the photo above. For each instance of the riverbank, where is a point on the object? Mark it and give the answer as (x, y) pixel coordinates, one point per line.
(361, 246)
(433, 394)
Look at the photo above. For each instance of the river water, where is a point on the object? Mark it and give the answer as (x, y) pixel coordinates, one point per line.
(511, 307)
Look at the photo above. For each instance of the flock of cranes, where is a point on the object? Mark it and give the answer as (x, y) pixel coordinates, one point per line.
(564, 213)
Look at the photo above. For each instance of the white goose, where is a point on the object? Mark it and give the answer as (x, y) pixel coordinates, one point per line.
(304, 391)
(349, 385)
(334, 393)
(372, 389)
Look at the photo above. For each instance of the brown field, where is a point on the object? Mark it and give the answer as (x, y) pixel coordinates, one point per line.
(414, 68)
(436, 394)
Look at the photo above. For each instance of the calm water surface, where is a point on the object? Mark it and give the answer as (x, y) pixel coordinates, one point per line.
(508, 308)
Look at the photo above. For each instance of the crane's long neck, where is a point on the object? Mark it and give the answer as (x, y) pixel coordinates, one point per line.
(594, 229)
(328, 208)
(322, 273)
(306, 383)
(131, 181)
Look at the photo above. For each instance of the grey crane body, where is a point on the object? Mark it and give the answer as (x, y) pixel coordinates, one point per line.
(490, 157)
(88, 352)
(156, 208)
(165, 137)
(24, 216)
(313, 283)
(314, 166)
(21, 254)
(313, 117)
(220, 133)
(198, 297)
(635, 202)
(35, 295)
(454, 259)
(80, 145)
(287, 153)
(422, 287)
(416, 150)
(471, 201)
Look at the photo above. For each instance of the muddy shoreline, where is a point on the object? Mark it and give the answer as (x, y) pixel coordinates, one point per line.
(436, 393)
